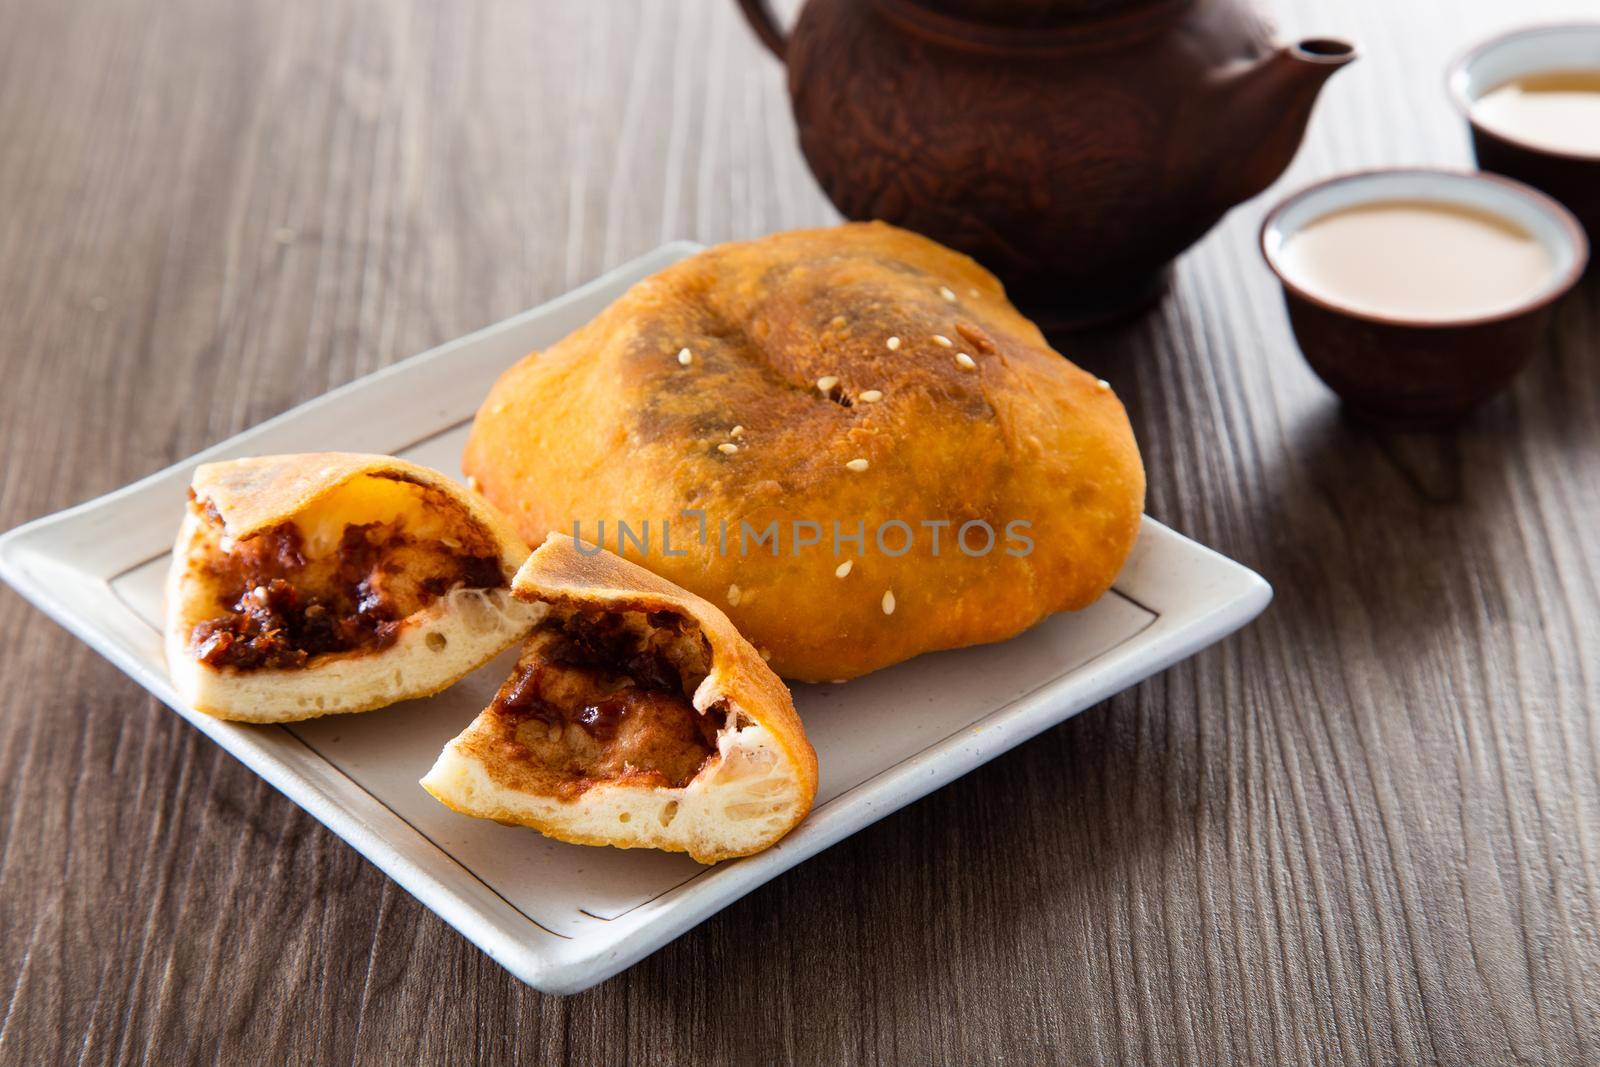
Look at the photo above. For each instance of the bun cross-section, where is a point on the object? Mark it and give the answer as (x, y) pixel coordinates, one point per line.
(637, 717)
(307, 585)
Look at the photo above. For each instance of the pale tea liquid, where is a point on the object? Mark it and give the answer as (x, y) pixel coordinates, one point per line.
(1418, 260)
(1558, 110)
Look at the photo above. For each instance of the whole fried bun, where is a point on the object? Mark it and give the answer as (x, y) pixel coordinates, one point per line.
(861, 376)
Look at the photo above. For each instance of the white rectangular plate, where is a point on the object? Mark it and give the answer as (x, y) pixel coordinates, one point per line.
(564, 917)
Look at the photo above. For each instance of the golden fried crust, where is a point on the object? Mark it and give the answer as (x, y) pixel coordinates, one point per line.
(254, 494)
(610, 425)
(562, 575)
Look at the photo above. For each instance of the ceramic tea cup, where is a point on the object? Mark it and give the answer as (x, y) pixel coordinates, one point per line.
(1411, 368)
(1569, 173)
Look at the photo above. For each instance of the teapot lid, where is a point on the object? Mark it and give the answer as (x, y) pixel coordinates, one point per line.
(1029, 12)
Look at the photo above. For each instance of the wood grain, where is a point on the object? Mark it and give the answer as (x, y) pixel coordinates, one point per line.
(1364, 830)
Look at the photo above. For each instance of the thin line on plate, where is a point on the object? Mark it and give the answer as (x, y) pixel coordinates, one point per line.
(1155, 616)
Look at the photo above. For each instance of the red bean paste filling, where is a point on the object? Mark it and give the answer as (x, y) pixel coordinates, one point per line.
(621, 689)
(382, 575)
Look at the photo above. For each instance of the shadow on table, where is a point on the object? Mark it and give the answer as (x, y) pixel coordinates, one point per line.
(1423, 528)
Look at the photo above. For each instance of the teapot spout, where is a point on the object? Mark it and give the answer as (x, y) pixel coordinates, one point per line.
(1271, 101)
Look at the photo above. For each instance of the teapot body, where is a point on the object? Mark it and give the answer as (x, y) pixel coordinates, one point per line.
(1075, 158)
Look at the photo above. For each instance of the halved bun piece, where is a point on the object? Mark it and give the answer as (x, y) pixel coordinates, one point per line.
(636, 717)
(307, 585)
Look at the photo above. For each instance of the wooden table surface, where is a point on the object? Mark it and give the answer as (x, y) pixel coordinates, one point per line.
(1364, 830)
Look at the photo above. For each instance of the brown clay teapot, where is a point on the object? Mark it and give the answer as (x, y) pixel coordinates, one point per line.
(1074, 147)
